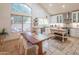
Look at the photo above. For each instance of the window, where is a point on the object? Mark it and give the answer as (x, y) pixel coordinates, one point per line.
(20, 23)
(26, 23)
(42, 22)
(16, 22)
(20, 8)
(45, 22)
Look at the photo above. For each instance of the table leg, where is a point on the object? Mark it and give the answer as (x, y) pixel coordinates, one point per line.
(40, 50)
(63, 38)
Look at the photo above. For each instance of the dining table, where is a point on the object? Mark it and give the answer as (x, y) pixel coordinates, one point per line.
(37, 39)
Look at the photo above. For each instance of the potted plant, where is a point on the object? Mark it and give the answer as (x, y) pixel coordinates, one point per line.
(3, 33)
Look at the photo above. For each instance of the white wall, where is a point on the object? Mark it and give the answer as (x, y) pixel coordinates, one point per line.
(38, 11)
(5, 16)
(53, 19)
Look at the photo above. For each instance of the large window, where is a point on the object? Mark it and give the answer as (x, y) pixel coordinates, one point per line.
(43, 22)
(26, 23)
(16, 22)
(20, 23)
(20, 8)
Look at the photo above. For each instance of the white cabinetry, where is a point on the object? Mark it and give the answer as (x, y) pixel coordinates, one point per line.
(78, 16)
(77, 32)
(74, 32)
(57, 19)
(75, 16)
(60, 18)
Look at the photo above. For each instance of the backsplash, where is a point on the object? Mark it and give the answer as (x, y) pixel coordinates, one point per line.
(57, 25)
(75, 25)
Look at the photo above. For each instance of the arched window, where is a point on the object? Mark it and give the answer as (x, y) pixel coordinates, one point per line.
(20, 8)
(20, 17)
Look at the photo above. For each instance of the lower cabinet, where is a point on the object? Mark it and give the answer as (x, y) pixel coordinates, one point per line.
(74, 32)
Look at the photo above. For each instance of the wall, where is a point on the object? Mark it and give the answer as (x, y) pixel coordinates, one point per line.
(5, 20)
(38, 11)
(53, 19)
(5, 16)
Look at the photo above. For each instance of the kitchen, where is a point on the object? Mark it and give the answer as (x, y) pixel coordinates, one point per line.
(64, 16)
(52, 25)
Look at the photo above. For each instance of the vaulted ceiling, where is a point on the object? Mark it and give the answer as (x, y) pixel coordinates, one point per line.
(56, 8)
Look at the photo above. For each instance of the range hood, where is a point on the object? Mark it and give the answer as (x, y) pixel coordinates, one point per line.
(67, 17)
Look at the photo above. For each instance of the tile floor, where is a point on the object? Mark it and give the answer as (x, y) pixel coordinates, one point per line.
(55, 47)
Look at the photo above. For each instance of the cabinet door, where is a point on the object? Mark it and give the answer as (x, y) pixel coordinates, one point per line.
(61, 19)
(57, 19)
(74, 17)
(76, 32)
(78, 16)
(72, 32)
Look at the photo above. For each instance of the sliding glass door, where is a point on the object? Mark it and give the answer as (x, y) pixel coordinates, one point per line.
(20, 17)
(16, 23)
(26, 23)
(20, 23)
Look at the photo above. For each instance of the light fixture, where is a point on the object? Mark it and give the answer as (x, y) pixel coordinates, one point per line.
(63, 6)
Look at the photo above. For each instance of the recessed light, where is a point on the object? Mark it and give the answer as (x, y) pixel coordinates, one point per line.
(50, 5)
(12, 18)
(63, 6)
(48, 9)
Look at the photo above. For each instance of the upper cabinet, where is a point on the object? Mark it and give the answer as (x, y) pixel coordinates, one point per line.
(70, 17)
(57, 19)
(78, 16)
(75, 17)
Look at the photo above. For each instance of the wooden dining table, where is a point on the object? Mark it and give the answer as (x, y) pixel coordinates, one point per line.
(37, 39)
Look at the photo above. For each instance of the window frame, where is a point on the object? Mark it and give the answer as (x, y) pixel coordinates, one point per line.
(23, 15)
